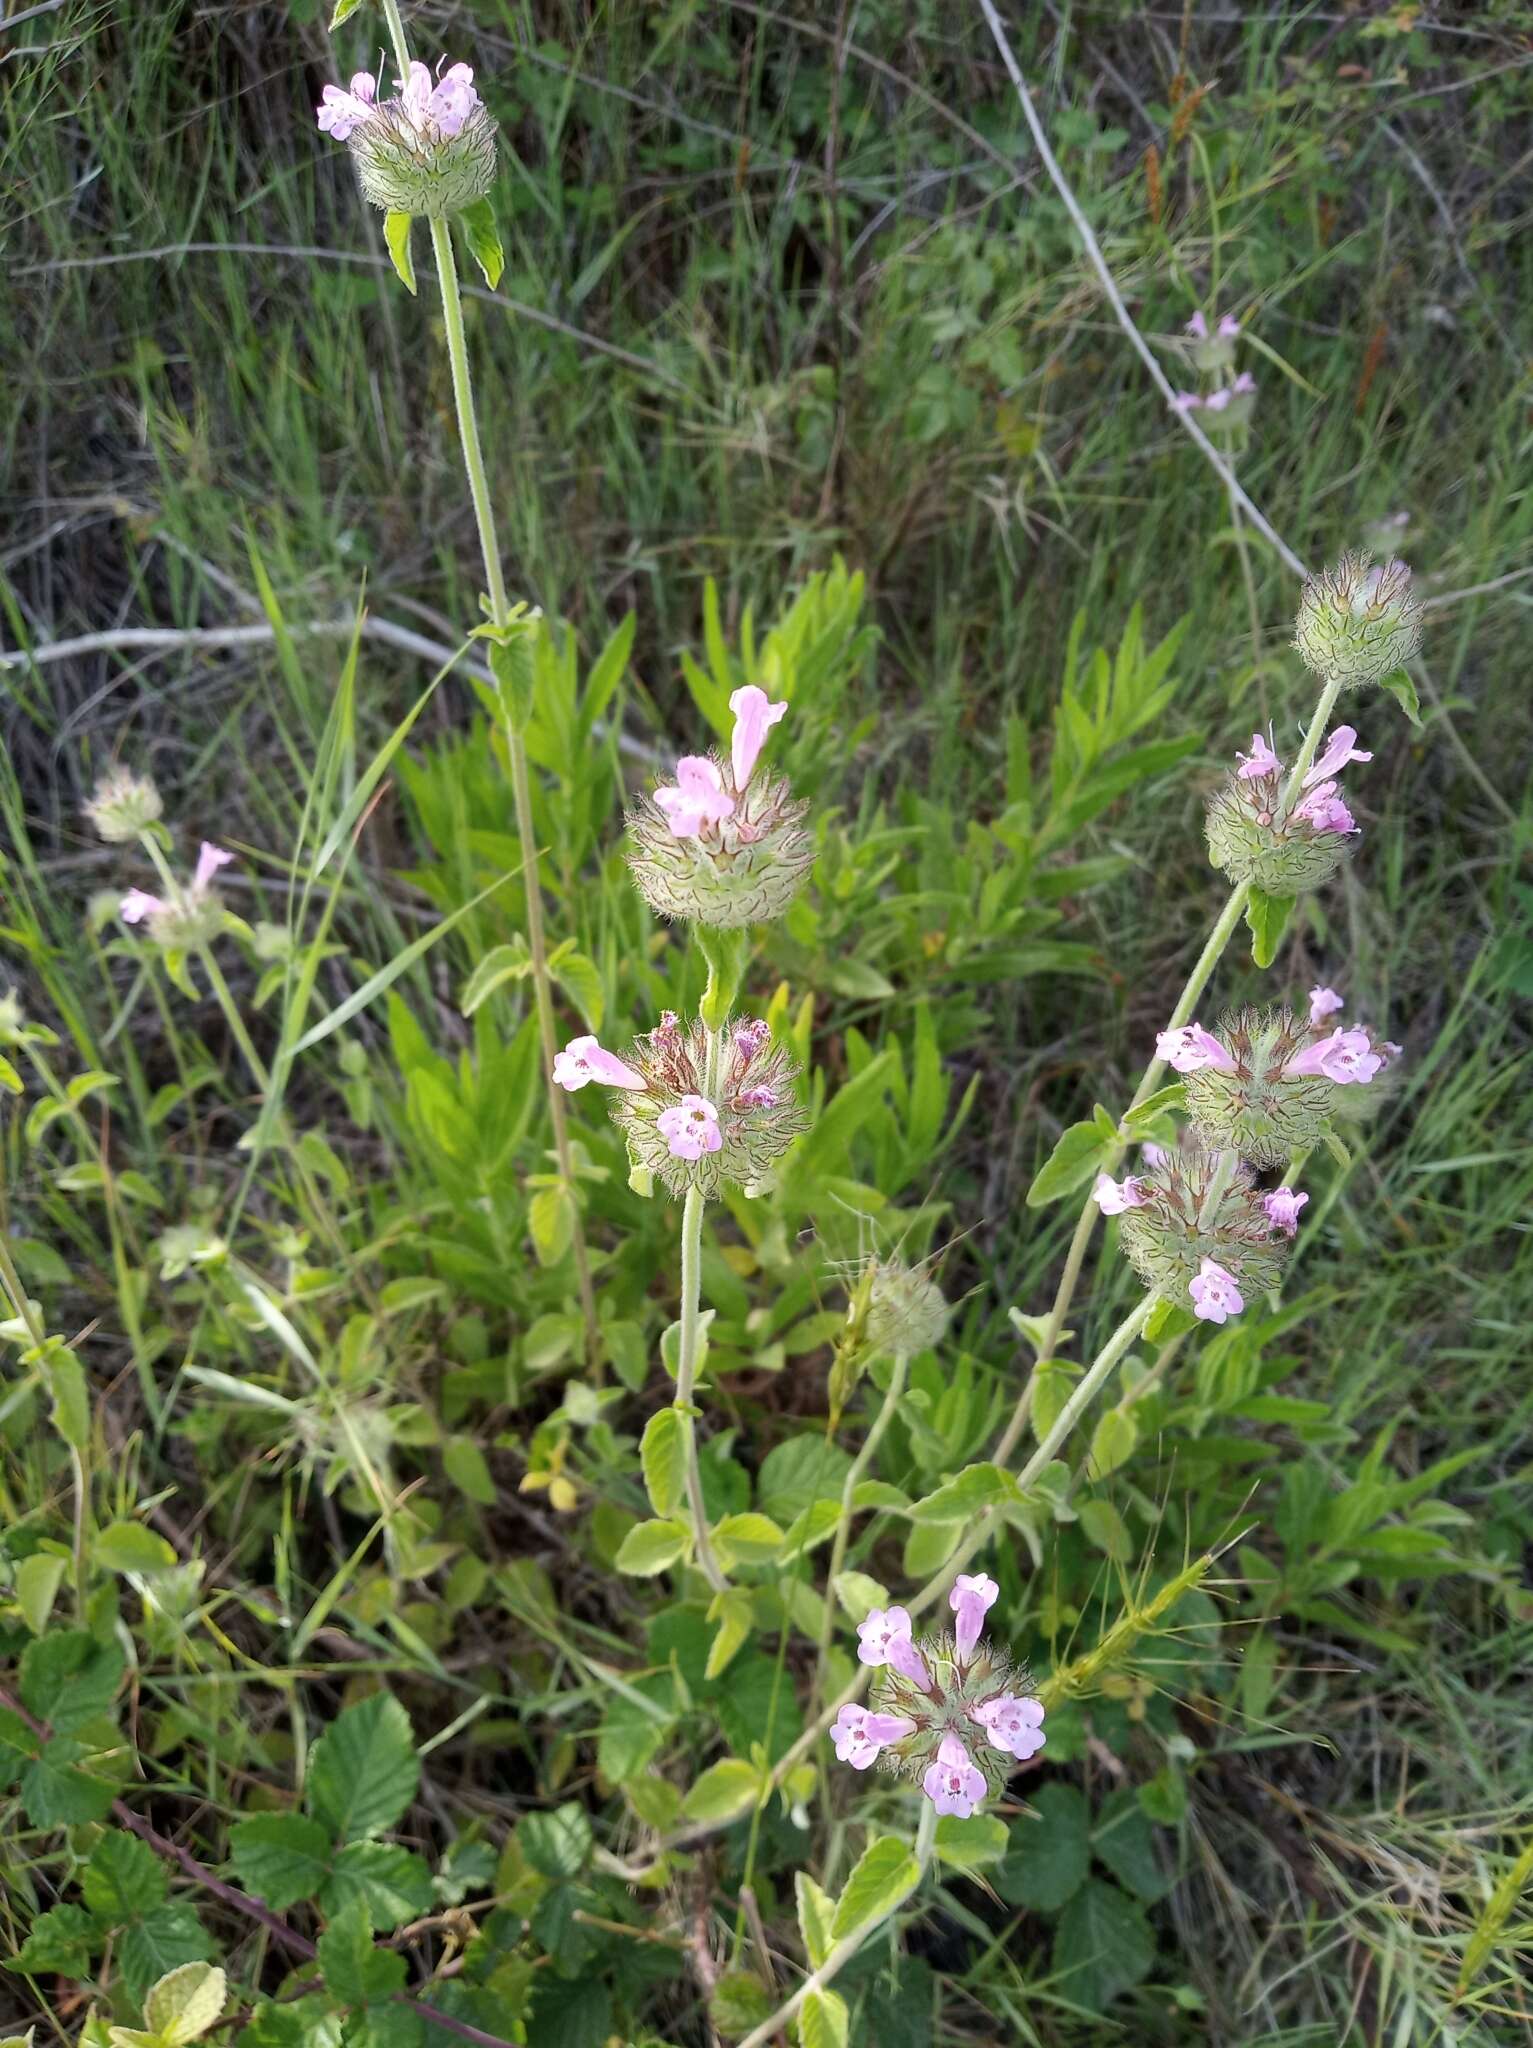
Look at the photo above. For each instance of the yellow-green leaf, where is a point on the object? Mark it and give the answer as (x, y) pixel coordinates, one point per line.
(396, 232)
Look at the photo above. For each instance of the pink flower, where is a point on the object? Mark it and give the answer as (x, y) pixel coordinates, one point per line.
(1154, 1155)
(751, 1036)
(1245, 384)
(759, 1098)
(1113, 1197)
(755, 715)
(1191, 1049)
(1197, 327)
(339, 112)
(884, 1638)
(696, 799)
(690, 1128)
(444, 107)
(1339, 750)
(971, 1599)
(1282, 1207)
(952, 1784)
(585, 1059)
(1185, 402)
(1214, 1294)
(138, 904)
(1388, 1051)
(1325, 810)
(1216, 401)
(1260, 761)
(1323, 1003)
(859, 1736)
(1014, 1725)
(1229, 328)
(1344, 1057)
(209, 860)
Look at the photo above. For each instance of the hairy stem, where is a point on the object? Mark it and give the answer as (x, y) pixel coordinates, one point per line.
(686, 1375)
(859, 1465)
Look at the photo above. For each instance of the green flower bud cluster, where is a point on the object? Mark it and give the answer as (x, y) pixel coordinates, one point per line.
(752, 1098)
(1358, 624)
(1194, 1205)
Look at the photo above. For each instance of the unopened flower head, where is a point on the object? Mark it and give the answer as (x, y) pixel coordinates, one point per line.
(690, 1130)
(1284, 849)
(189, 917)
(429, 151)
(1358, 624)
(1201, 1237)
(723, 843)
(1212, 348)
(1274, 1082)
(950, 1711)
(123, 805)
(907, 1313)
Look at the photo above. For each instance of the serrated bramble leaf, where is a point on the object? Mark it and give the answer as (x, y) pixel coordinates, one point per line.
(1102, 1946)
(1049, 1855)
(355, 1972)
(59, 1943)
(160, 1942)
(69, 1678)
(559, 1843)
(280, 1857)
(392, 1883)
(364, 1769)
(884, 1874)
(123, 1879)
(56, 1793)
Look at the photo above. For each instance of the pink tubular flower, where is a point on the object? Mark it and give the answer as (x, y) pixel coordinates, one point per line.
(971, 1599)
(952, 1784)
(1185, 402)
(1012, 1724)
(1339, 749)
(444, 107)
(138, 905)
(209, 860)
(1260, 761)
(1197, 326)
(1191, 1049)
(339, 111)
(1282, 1207)
(1323, 1003)
(585, 1059)
(1229, 328)
(1324, 809)
(860, 1737)
(884, 1638)
(1244, 385)
(1214, 1294)
(755, 715)
(1113, 1197)
(696, 799)
(690, 1128)
(1344, 1057)
(1154, 1155)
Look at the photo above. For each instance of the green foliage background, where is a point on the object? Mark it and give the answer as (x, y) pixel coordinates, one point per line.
(794, 339)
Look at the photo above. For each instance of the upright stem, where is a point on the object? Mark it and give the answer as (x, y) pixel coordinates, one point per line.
(686, 1377)
(11, 1284)
(516, 750)
(236, 1023)
(844, 1527)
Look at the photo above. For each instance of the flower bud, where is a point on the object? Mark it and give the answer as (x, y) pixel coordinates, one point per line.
(1200, 1210)
(742, 862)
(695, 1130)
(1358, 624)
(123, 805)
(906, 1310)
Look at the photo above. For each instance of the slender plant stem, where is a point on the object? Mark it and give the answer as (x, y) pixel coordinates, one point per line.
(686, 1376)
(11, 1282)
(859, 1465)
(236, 1023)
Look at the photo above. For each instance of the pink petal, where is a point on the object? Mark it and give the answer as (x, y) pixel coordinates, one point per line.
(139, 904)
(209, 860)
(755, 715)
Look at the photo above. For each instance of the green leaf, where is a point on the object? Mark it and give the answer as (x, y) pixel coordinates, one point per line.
(396, 232)
(59, 1943)
(123, 1879)
(558, 1843)
(551, 1221)
(465, 1465)
(185, 2003)
(1103, 1945)
(968, 1844)
(884, 1874)
(975, 1488)
(1124, 1839)
(1167, 1320)
(57, 1793)
(1113, 1442)
(746, 1539)
(1403, 690)
(1105, 1527)
(1049, 1855)
(483, 238)
(159, 1942)
(38, 1579)
(355, 1972)
(280, 1857)
(1267, 915)
(857, 1594)
(734, 1610)
(797, 1473)
(344, 10)
(130, 1547)
(580, 979)
(1074, 1160)
(501, 964)
(649, 1547)
(740, 2001)
(723, 1791)
(663, 1456)
(392, 1883)
(70, 1413)
(816, 1916)
(824, 2021)
(364, 1770)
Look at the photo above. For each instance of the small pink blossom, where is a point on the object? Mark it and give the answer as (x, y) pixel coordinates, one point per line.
(1344, 1057)
(1216, 401)
(1197, 326)
(1260, 761)
(209, 860)
(971, 1599)
(884, 1638)
(755, 715)
(1323, 1003)
(1325, 810)
(1214, 1294)
(690, 1128)
(1282, 1207)
(1191, 1048)
(1339, 750)
(1112, 1197)
(444, 107)
(696, 799)
(1154, 1155)
(1014, 1725)
(339, 112)
(860, 1736)
(1229, 328)
(138, 904)
(586, 1059)
(1185, 402)
(759, 1098)
(952, 1784)
(751, 1036)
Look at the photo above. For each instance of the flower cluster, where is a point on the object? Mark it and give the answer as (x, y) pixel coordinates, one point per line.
(723, 844)
(907, 1313)
(1268, 1084)
(1358, 624)
(428, 151)
(693, 1129)
(1197, 1229)
(1228, 406)
(123, 806)
(1284, 848)
(192, 916)
(950, 1711)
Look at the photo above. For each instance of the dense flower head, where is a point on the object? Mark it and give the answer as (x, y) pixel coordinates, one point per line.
(430, 150)
(1202, 1238)
(950, 1711)
(1358, 623)
(189, 916)
(907, 1311)
(723, 843)
(690, 1130)
(123, 805)
(1255, 836)
(1274, 1087)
